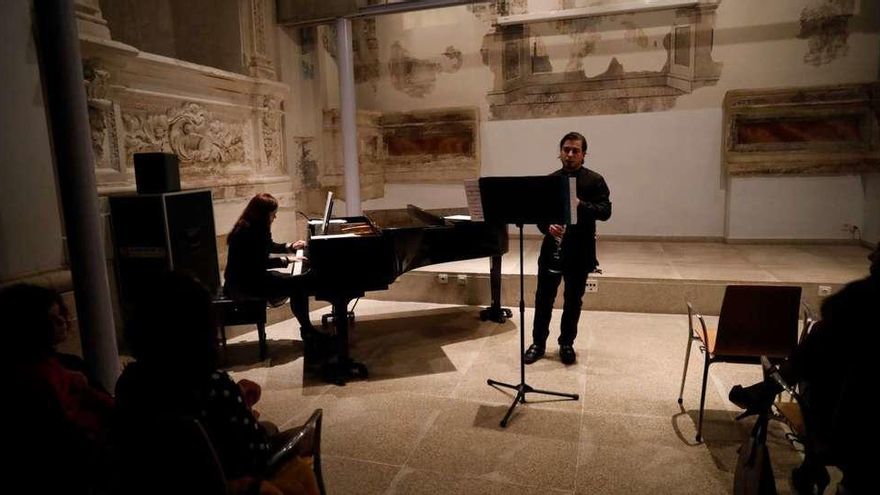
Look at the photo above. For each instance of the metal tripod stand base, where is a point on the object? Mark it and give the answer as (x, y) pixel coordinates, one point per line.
(521, 390)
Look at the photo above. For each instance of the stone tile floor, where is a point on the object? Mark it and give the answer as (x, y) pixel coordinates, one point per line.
(426, 421)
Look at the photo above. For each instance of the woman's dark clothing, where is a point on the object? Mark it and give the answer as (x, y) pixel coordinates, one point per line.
(577, 261)
(60, 421)
(247, 272)
(836, 365)
(145, 395)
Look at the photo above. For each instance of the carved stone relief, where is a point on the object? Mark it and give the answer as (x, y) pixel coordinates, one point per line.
(102, 120)
(271, 132)
(826, 28)
(226, 129)
(256, 38)
(623, 63)
(188, 130)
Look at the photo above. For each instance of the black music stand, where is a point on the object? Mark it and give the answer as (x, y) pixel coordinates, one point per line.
(519, 201)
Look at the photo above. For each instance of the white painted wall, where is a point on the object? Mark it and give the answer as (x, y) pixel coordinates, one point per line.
(30, 225)
(663, 168)
(795, 207)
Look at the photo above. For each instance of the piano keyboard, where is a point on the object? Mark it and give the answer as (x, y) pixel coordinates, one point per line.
(298, 265)
(295, 268)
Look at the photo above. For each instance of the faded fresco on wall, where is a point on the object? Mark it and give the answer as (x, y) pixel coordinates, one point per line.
(805, 130)
(307, 52)
(826, 27)
(365, 49)
(417, 77)
(437, 146)
(625, 63)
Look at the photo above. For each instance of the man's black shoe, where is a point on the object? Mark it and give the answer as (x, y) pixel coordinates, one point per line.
(567, 354)
(533, 353)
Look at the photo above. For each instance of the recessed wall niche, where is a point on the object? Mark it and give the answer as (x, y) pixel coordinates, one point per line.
(818, 130)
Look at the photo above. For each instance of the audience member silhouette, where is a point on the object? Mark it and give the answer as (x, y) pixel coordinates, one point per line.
(835, 368)
(176, 375)
(60, 416)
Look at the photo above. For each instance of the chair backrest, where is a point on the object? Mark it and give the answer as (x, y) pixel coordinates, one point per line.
(758, 320)
(171, 455)
(304, 442)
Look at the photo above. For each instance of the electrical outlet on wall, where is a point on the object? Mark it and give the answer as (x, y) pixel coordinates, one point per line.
(592, 285)
(852, 229)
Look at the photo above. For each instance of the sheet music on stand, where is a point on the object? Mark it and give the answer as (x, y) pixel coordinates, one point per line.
(474, 200)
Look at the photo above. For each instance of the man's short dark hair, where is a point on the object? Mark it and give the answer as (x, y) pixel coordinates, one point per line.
(572, 136)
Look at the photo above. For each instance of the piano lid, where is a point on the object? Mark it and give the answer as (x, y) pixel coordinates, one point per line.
(412, 217)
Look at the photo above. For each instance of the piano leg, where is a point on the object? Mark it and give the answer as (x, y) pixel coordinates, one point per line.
(495, 312)
(342, 368)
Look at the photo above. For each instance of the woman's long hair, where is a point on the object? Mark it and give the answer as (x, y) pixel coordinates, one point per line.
(256, 214)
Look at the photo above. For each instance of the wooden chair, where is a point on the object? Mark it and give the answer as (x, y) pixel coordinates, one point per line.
(755, 321)
(303, 442)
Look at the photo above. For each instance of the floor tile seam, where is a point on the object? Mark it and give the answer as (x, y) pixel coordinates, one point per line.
(481, 478)
(395, 480)
(625, 414)
(358, 459)
(463, 374)
(423, 433)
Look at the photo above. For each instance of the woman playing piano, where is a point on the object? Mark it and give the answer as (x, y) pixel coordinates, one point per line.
(247, 268)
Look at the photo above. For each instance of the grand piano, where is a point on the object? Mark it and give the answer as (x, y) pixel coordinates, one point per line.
(349, 256)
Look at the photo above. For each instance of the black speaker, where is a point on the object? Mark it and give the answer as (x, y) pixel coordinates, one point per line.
(156, 173)
(157, 233)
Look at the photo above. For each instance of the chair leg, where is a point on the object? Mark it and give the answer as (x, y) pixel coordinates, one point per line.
(261, 331)
(687, 358)
(702, 399)
(317, 457)
(223, 338)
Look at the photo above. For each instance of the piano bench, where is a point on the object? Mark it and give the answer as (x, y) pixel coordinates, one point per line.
(249, 311)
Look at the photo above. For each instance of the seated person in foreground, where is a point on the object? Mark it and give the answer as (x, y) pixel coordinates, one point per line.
(247, 268)
(60, 415)
(835, 367)
(175, 375)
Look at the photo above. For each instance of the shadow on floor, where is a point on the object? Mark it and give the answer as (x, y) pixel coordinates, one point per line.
(242, 356)
(412, 343)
